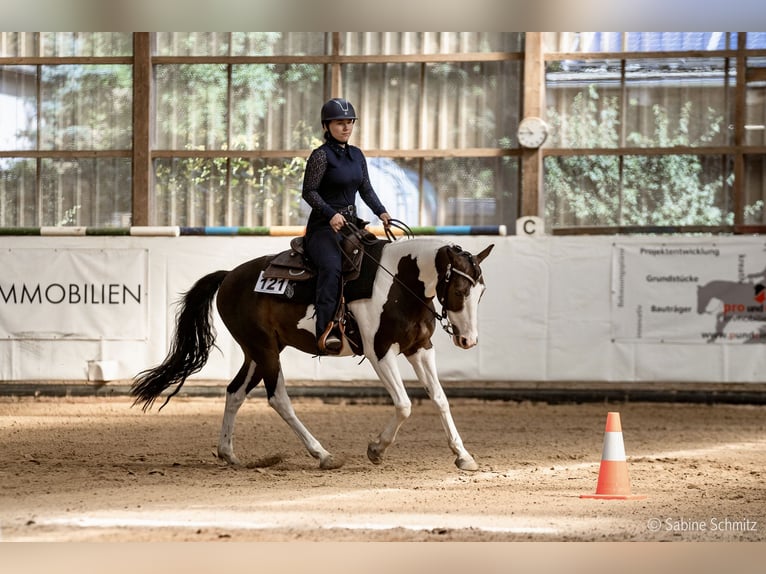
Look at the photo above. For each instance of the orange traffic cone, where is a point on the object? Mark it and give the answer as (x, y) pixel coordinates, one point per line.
(613, 481)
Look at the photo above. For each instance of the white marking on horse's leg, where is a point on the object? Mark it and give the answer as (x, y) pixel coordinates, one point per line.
(424, 364)
(281, 403)
(233, 402)
(389, 374)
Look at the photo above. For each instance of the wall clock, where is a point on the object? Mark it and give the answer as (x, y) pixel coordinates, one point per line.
(532, 132)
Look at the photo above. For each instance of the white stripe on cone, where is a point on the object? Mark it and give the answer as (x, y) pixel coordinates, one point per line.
(614, 447)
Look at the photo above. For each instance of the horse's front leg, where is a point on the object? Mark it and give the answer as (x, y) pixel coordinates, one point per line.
(424, 364)
(388, 372)
(722, 319)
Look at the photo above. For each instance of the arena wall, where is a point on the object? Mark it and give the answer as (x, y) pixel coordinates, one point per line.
(619, 309)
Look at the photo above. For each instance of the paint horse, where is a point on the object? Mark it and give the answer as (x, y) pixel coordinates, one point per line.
(391, 304)
(736, 301)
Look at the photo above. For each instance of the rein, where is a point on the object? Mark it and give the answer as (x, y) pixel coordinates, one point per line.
(391, 237)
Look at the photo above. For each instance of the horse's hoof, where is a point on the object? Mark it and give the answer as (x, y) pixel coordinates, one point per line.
(466, 463)
(330, 463)
(373, 453)
(229, 458)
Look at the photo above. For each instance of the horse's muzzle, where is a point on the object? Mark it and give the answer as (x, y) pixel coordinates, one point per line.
(464, 342)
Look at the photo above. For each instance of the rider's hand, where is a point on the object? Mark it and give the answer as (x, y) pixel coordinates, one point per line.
(337, 222)
(386, 219)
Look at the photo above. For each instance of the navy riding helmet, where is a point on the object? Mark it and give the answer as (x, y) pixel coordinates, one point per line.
(337, 109)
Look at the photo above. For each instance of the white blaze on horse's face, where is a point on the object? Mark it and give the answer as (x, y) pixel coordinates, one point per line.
(465, 322)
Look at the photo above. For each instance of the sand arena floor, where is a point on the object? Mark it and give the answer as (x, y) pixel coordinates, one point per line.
(95, 469)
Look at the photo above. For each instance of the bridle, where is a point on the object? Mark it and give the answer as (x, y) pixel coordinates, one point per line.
(448, 274)
(451, 269)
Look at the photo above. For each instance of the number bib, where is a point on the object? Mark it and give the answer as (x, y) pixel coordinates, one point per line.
(272, 286)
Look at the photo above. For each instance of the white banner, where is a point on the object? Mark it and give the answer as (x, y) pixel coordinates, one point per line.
(73, 294)
(697, 293)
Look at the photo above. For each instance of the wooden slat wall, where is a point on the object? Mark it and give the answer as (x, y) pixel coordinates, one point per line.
(415, 120)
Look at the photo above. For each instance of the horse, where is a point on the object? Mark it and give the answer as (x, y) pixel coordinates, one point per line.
(391, 304)
(736, 300)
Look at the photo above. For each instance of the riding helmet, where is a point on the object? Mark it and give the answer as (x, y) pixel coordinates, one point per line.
(337, 109)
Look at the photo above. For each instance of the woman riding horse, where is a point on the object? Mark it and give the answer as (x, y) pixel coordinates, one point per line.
(335, 172)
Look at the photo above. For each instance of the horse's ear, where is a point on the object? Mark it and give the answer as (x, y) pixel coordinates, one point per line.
(483, 255)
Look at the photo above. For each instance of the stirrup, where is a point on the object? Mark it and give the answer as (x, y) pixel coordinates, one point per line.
(329, 342)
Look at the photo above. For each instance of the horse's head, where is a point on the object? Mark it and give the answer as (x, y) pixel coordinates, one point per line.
(459, 289)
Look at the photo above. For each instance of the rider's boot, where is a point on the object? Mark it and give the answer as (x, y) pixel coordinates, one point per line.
(330, 342)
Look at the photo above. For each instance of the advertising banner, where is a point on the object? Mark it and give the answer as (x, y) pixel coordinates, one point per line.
(704, 292)
(73, 294)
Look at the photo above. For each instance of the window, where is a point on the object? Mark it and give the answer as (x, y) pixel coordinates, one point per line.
(643, 129)
(236, 116)
(66, 129)
(661, 131)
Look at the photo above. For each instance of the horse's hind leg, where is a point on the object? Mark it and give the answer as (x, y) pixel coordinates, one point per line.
(236, 393)
(280, 402)
(424, 364)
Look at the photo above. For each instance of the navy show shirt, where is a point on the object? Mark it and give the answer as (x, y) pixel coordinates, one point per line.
(334, 174)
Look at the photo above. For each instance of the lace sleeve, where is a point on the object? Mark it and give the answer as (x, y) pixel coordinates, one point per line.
(315, 168)
(367, 193)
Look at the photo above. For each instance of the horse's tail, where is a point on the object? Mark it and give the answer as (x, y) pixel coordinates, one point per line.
(189, 351)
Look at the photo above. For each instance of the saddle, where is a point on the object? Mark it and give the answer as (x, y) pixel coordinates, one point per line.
(293, 264)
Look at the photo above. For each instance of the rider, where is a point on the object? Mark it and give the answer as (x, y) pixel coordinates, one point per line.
(335, 172)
